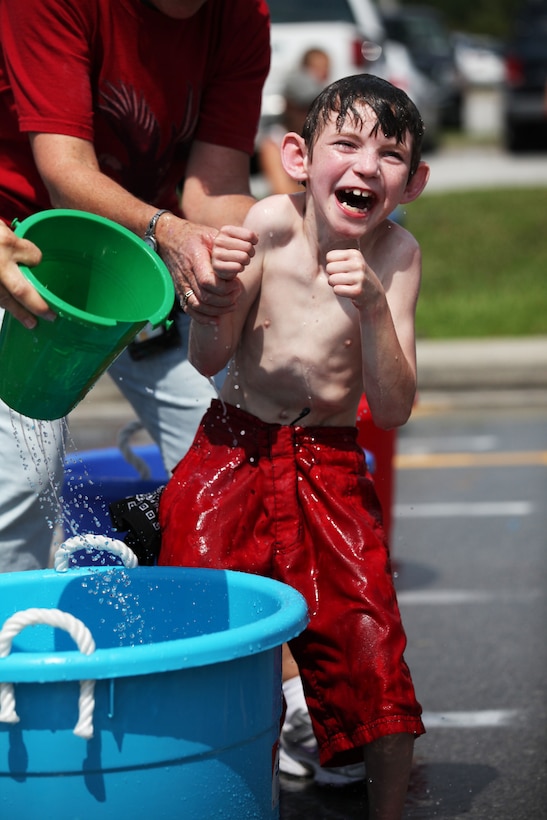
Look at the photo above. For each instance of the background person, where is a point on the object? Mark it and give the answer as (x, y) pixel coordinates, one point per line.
(301, 87)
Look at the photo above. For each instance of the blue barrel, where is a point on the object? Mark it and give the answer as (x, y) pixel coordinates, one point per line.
(187, 694)
(95, 478)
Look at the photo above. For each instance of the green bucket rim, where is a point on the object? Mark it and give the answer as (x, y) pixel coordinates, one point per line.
(65, 309)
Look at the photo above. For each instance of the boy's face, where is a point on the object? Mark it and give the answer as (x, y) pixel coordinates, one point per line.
(357, 177)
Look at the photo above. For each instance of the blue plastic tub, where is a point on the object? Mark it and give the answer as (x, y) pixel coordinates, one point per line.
(187, 695)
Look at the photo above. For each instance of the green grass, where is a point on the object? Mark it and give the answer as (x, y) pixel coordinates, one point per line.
(484, 263)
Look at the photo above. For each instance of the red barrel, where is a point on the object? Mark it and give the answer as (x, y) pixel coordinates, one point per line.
(381, 444)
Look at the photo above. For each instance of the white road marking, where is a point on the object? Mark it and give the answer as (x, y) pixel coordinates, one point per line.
(464, 509)
(452, 461)
(470, 720)
(463, 596)
(476, 444)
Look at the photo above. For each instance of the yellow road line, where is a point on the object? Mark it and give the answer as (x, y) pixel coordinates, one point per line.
(433, 461)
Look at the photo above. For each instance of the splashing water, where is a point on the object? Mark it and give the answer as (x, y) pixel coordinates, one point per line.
(42, 447)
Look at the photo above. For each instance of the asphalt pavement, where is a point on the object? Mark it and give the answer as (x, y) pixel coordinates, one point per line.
(470, 555)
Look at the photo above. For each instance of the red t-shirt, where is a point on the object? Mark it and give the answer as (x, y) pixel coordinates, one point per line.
(138, 84)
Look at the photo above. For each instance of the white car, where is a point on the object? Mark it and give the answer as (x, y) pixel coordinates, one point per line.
(351, 32)
(478, 59)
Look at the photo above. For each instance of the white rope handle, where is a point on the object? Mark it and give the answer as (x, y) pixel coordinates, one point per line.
(61, 561)
(85, 643)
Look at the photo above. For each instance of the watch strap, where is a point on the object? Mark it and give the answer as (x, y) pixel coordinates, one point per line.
(150, 233)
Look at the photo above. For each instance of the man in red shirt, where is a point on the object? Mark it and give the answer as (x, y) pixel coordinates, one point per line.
(144, 112)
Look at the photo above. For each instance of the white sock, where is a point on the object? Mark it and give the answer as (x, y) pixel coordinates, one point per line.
(294, 696)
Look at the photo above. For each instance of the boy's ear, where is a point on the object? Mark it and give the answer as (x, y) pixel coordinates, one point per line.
(416, 185)
(294, 156)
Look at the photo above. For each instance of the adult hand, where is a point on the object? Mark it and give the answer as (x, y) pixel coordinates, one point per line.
(17, 295)
(71, 173)
(186, 249)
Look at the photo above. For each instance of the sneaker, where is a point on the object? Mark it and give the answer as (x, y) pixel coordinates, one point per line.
(299, 755)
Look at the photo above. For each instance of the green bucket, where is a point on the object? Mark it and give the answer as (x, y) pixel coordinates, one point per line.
(104, 284)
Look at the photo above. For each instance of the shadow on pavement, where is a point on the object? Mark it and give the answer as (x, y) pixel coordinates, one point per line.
(436, 790)
(444, 790)
(301, 799)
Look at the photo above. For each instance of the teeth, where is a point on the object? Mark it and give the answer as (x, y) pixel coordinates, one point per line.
(355, 199)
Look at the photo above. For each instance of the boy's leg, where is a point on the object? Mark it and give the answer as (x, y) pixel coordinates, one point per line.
(340, 563)
(299, 753)
(388, 762)
(290, 667)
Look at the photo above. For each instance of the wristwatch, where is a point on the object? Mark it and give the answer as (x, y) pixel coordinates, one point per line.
(150, 233)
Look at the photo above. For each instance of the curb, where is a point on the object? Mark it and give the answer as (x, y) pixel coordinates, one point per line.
(490, 364)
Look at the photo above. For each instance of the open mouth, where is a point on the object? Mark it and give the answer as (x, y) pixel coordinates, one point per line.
(355, 199)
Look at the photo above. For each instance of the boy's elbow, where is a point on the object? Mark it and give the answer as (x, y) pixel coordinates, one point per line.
(205, 365)
(204, 368)
(388, 416)
(391, 421)
(200, 364)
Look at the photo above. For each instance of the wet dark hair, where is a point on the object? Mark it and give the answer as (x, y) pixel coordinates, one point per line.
(396, 114)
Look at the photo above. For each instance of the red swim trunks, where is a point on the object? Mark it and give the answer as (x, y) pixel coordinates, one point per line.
(297, 504)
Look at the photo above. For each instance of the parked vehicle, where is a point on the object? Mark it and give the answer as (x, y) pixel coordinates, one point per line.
(479, 59)
(352, 33)
(525, 92)
(402, 72)
(422, 31)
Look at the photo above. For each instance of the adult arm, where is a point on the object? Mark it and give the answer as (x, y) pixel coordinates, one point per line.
(216, 192)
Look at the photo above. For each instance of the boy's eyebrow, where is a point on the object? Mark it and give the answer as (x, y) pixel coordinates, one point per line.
(357, 129)
(345, 131)
(351, 126)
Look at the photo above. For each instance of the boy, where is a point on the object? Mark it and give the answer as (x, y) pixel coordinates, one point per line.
(275, 482)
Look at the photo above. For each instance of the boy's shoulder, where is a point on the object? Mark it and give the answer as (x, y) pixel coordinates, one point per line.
(391, 247)
(391, 234)
(276, 211)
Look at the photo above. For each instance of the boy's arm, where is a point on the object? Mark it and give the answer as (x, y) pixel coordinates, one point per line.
(387, 310)
(212, 345)
(389, 350)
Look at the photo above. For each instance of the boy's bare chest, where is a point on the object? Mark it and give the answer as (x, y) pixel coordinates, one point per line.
(299, 309)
